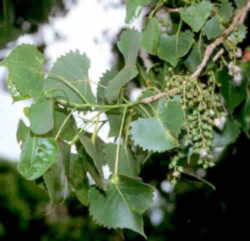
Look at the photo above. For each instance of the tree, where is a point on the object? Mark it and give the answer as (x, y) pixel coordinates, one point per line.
(194, 103)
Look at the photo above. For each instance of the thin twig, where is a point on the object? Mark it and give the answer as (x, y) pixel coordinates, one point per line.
(173, 10)
(153, 98)
(118, 144)
(63, 124)
(218, 55)
(238, 19)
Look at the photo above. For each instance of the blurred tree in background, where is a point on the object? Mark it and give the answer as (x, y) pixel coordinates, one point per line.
(18, 17)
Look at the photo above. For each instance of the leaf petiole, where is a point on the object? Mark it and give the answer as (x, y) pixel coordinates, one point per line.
(63, 124)
(118, 144)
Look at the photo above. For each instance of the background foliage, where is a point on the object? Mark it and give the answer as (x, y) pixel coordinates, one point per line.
(20, 17)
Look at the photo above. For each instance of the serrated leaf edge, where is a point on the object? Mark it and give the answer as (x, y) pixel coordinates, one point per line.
(158, 150)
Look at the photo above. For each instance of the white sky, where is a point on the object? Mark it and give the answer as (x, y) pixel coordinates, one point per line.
(83, 28)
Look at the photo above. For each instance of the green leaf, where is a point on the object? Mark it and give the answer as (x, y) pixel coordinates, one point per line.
(245, 112)
(114, 123)
(129, 197)
(38, 155)
(245, 116)
(103, 85)
(132, 8)
(128, 165)
(82, 193)
(151, 36)
(241, 3)
(122, 78)
(129, 46)
(42, 116)
(246, 71)
(92, 170)
(158, 140)
(16, 96)
(239, 34)
(195, 57)
(26, 77)
(8, 33)
(76, 173)
(77, 178)
(68, 130)
(173, 47)
(171, 115)
(69, 79)
(94, 150)
(196, 15)
(226, 10)
(228, 135)
(55, 178)
(232, 94)
(213, 28)
(22, 132)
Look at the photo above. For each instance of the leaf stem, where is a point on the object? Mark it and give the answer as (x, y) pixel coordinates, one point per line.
(157, 6)
(107, 107)
(189, 173)
(66, 82)
(63, 124)
(118, 144)
(76, 137)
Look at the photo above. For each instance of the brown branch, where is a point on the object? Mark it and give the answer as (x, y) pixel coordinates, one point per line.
(238, 19)
(153, 98)
(218, 55)
(173, 10)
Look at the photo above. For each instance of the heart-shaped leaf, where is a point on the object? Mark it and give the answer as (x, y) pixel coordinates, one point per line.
(38, 155)
(42, 116)
(173, 47)
(69, 79)
(132, 8)
(128, 45)
(129, 197)
(196, 15)
(26, 77)
(159, 133)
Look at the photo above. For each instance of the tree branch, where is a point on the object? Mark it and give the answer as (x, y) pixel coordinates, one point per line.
(173, 10)
(153, 98)
(238, 19)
